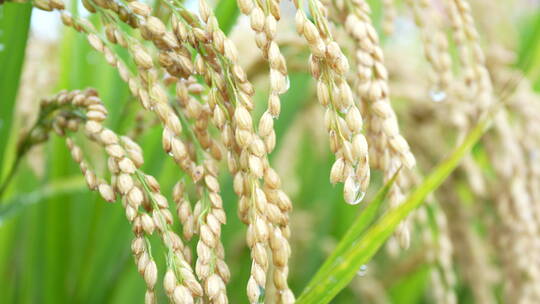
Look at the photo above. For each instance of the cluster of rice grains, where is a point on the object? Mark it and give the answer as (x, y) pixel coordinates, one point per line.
(468, 92)
(146, 208)
(224, 101)
(388, 150)
(186, 73)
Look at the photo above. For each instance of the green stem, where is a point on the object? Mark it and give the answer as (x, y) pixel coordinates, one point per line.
(11, 175)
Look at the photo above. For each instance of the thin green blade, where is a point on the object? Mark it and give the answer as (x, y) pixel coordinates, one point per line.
(365, 218)
(14, 24)
(16, 205)
(335, 278)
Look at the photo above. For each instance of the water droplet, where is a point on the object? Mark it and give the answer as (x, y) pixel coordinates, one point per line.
(280, 81)
(437, 95)
(362, 271)
(287, 84)
(262, 292)
(359, 197)
(344, 110)
(353, 193)
(338, 261)
(170, 154)
(1, 47)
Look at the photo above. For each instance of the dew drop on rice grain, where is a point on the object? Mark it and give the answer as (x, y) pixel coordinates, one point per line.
(437, 95)
(283, 89)
(359, 194)
(287, 84)
(344, 110)
(359, 197)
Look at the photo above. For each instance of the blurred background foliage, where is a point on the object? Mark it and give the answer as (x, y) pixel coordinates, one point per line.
(60, 243)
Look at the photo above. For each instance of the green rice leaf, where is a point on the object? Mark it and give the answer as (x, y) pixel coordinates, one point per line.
(226, 13)
(334, 278)
(14, 24)
(366, 217)
(19, 203)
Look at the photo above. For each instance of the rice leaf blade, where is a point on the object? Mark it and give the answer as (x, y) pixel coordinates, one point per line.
(365, 218)
(226, 13)
(337, 277)
(18, 204)
(14, 25)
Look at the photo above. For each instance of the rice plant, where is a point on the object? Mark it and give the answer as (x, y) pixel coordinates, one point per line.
(249, 151)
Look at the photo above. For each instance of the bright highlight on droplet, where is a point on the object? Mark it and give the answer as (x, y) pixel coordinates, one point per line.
(362, 270)
(437, 95)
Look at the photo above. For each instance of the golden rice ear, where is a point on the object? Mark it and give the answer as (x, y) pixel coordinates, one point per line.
(136, 189)
(145, 86)
(389, 16)
(435, 46)
(382, 132)
(343, 120)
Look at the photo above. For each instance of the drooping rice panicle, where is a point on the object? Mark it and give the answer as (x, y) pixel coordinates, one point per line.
(328, 65)
(389, 150)
(146, 208)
